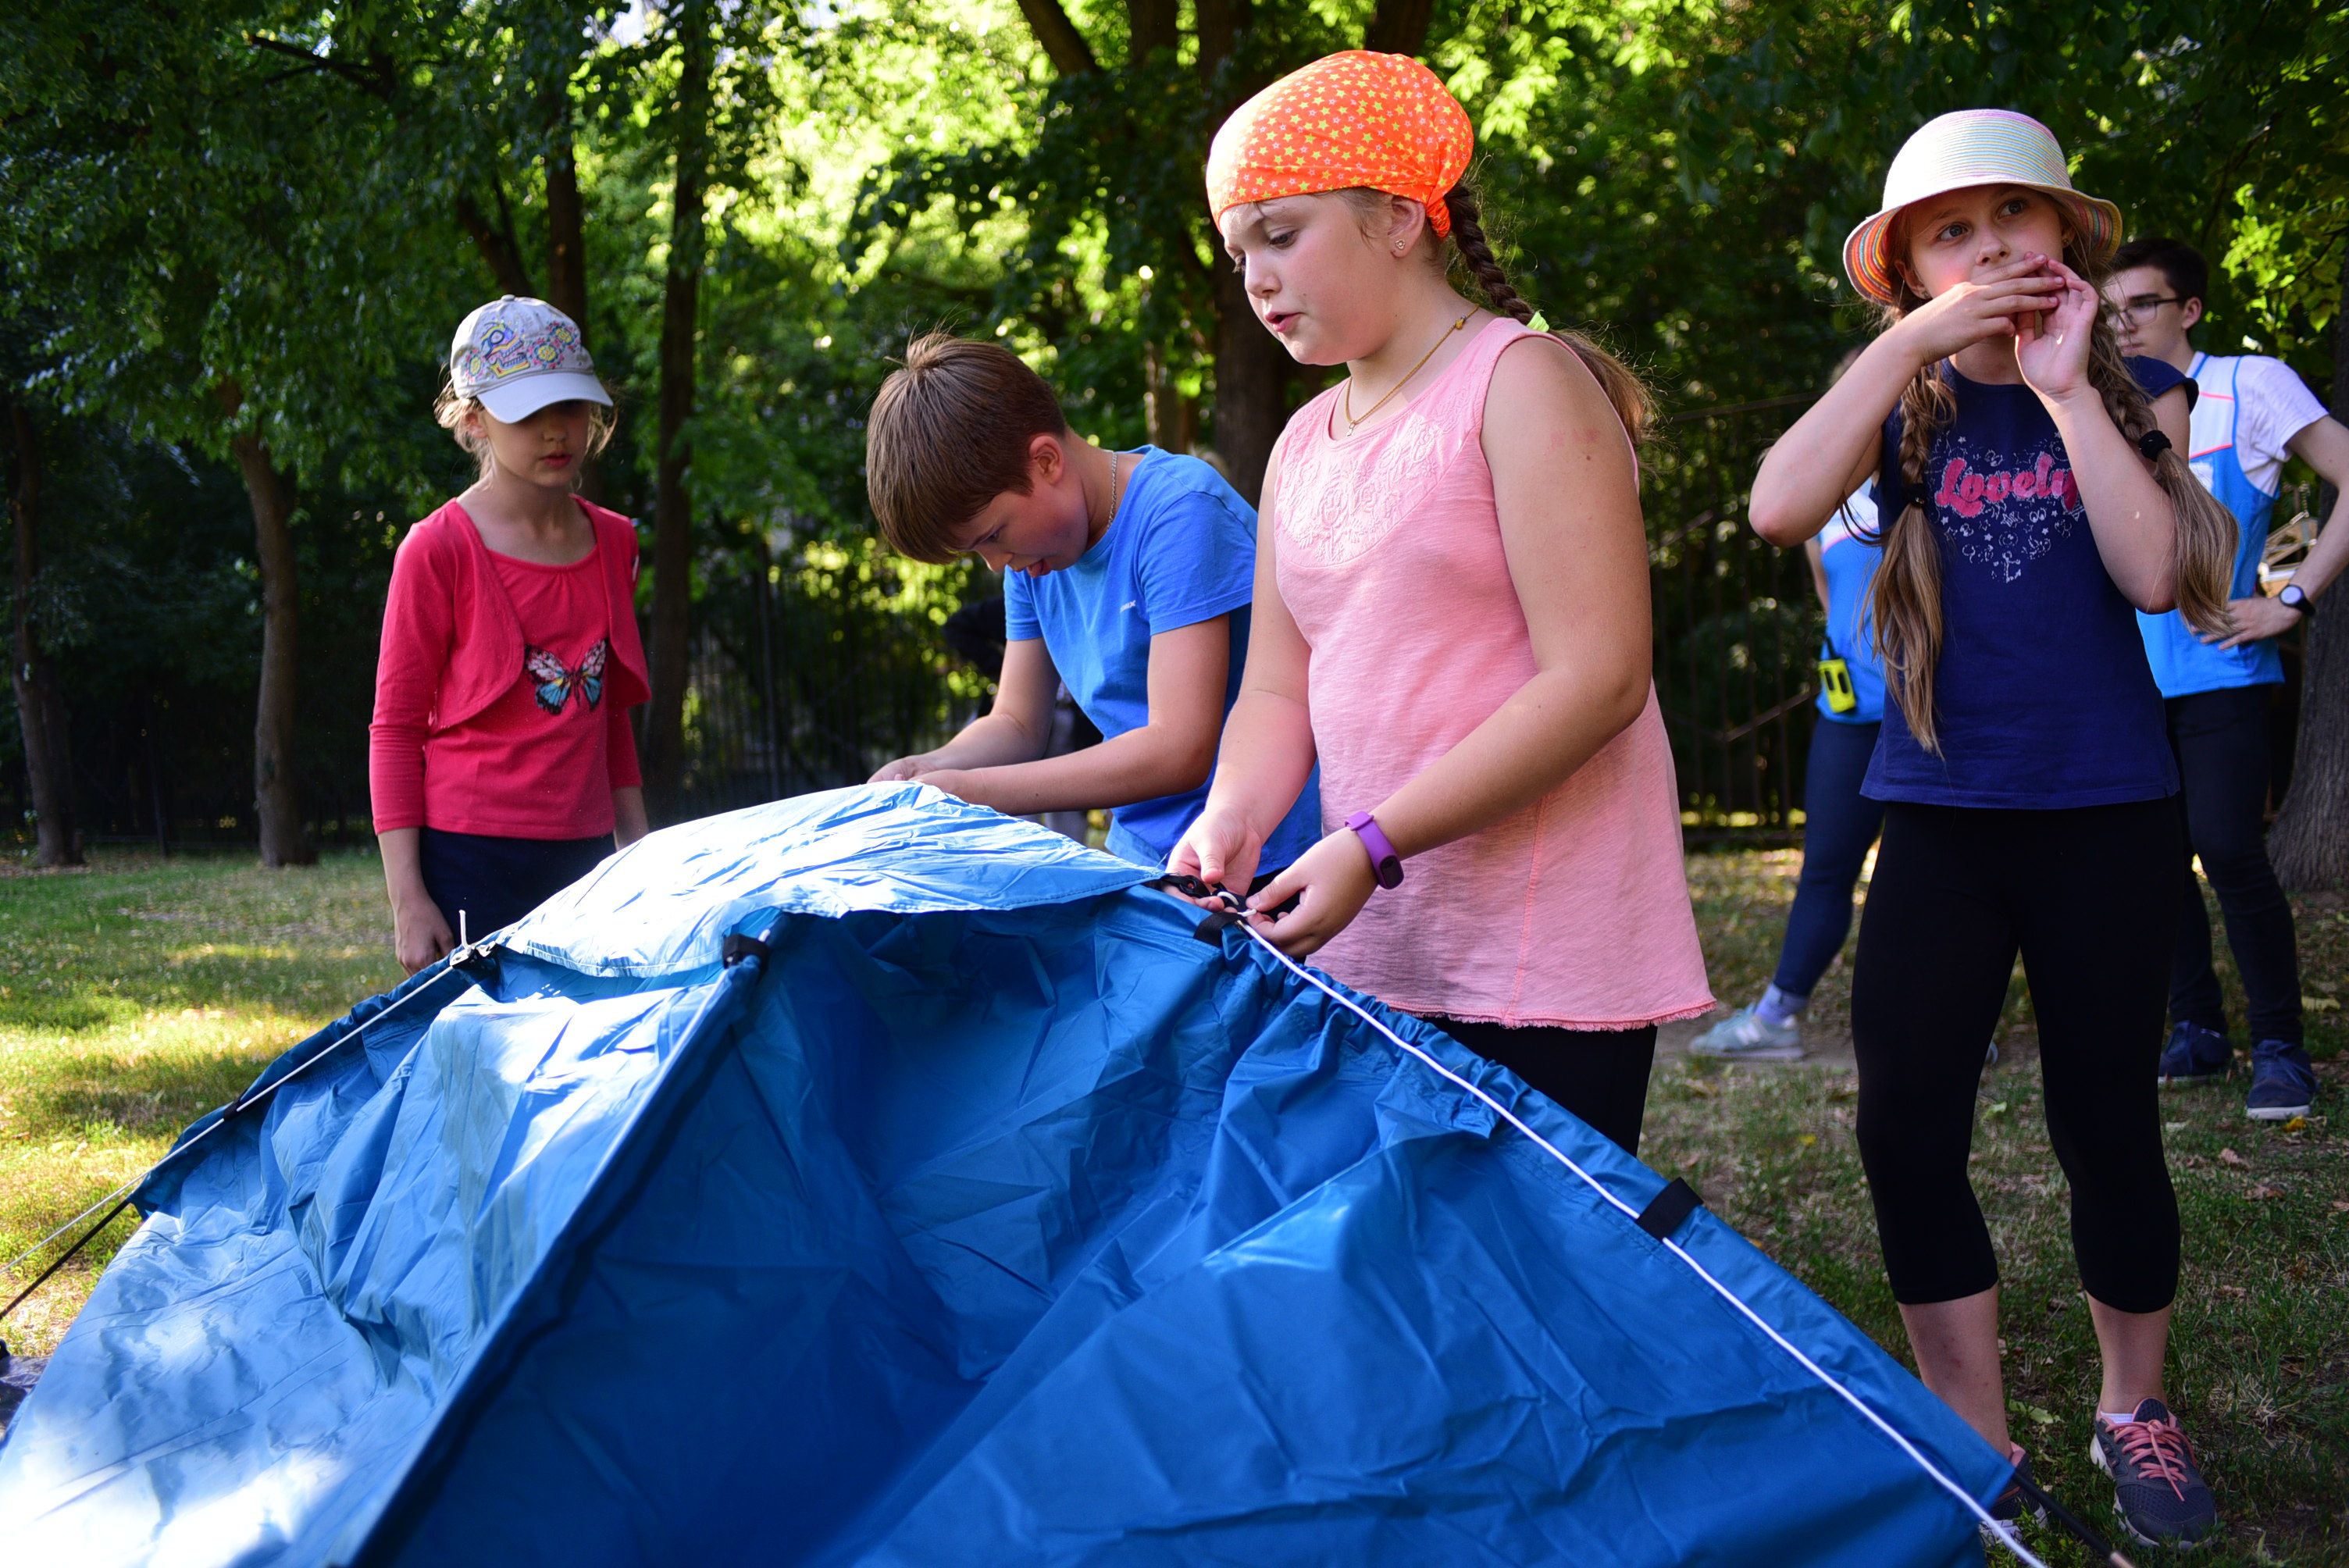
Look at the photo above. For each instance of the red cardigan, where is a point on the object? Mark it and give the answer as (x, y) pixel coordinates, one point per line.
(451, 647)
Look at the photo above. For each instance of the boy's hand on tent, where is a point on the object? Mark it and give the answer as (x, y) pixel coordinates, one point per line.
(954, 782)
(418, 936)
(1331, 881)
(898, 772)
(1220, 849)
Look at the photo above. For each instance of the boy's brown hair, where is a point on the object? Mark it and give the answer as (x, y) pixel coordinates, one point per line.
(948, 434)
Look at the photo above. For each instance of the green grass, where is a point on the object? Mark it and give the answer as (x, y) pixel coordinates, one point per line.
(138, 995)
(135, 996)
(2260, 1345)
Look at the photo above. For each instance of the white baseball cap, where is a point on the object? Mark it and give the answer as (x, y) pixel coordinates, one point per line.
(519, 354)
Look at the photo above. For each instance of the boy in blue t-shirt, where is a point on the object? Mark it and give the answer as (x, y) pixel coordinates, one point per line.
(1127, 577)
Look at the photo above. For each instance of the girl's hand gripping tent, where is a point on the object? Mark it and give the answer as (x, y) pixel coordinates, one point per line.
(869, 1178)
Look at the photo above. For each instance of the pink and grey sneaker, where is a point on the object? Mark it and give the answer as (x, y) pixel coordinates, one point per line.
(2156, 1488)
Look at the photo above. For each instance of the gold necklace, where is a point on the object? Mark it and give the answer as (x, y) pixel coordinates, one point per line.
(1346, 394)
(1112, 489)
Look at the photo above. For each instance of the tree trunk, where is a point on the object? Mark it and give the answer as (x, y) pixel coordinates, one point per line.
(1174, 419)
(2310, 842)
(1399, 27)
(274, 797)
(664, 751)
(1251, 367)
(566, 248)
(40, 708)
(1251, 382)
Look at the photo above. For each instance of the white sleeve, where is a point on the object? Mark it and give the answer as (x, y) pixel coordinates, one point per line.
(2272, 405)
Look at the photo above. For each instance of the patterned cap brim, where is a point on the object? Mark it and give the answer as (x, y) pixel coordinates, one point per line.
(1867, 258)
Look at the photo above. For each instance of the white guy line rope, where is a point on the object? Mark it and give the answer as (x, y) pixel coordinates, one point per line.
(1998, 1527)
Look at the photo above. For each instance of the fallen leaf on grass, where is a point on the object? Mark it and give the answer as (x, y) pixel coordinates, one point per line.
(2229, 1157)
(2261, 1192)
(2321, 1004)
(2341, 1206)
(2296, 1124)
(1704, 1087)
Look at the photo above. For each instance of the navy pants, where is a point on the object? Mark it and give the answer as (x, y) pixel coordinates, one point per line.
(1838, 824)
(2220, 738)
(496, 881)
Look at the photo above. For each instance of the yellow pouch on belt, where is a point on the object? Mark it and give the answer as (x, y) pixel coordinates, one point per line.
(1835, 679)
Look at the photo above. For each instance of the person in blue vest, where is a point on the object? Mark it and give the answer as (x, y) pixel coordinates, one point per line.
(2254, 413)
(1838, 822)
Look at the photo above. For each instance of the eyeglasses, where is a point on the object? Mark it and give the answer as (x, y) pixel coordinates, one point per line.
(2137, 307)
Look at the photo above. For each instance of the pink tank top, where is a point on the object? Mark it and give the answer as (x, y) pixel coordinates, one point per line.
(1574, 911)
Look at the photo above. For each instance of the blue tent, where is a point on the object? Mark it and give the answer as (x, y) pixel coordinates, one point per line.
(867, 1178)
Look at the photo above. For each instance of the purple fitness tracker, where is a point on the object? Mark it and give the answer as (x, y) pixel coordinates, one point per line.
(1384, 861)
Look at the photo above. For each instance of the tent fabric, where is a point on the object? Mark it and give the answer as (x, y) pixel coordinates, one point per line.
(989, 1216)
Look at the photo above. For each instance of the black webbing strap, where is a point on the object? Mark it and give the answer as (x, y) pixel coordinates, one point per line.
(738, 947)
(1668, 1208)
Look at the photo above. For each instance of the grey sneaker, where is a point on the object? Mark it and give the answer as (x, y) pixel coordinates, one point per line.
(2283, 1082)
(1742, 1037)
(2156, 1488)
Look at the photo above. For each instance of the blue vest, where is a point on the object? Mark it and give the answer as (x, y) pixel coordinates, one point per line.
(2183, 664)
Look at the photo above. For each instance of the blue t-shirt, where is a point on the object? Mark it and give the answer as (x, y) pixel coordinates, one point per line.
(2042, 693)
(1850, 550)
(1180, 549)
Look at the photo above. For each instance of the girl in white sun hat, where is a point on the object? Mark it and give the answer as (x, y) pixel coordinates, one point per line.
(501, 765)
(2033, 495)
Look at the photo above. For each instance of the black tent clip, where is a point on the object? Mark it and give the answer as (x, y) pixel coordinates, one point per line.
(740, 946)
(1668, 1209)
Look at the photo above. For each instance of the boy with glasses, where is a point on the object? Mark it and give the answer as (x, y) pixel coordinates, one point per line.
(2253, 414)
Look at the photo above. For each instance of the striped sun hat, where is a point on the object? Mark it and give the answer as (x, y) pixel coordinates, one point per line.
(1973, 147)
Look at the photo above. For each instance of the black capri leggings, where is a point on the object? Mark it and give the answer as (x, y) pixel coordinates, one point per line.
(2089, 896)
(1599, 1074)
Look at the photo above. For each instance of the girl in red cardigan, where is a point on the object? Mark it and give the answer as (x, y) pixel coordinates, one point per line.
(500, 762)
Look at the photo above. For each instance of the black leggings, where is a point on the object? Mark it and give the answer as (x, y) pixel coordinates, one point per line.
(2089, 896)
(2222, 741)
(1601, 1075)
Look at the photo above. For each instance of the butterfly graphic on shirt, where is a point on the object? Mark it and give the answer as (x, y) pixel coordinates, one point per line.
(551, 685)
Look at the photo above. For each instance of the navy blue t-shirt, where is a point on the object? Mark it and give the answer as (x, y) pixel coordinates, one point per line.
(2043, 693)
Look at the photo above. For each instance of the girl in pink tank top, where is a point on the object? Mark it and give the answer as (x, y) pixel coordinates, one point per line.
(1451, 614)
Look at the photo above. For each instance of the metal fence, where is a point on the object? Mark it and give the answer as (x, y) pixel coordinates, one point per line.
(1737, 627)
(810, 675)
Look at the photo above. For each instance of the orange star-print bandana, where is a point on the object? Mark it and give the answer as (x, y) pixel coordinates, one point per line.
(1358, 119)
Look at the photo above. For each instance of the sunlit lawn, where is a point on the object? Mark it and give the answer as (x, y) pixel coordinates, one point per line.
(138, 995)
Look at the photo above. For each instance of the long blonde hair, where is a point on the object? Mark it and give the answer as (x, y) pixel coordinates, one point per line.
(1905, 602)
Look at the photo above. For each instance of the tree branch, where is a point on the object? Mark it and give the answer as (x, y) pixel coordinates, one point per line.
(1063, 44)
(497, 247)
(377, 79)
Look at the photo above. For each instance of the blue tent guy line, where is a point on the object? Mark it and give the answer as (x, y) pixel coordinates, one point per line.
(988, 1216)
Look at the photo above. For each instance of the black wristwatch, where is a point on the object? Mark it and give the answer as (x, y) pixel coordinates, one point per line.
(2296, 597)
